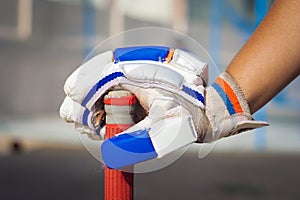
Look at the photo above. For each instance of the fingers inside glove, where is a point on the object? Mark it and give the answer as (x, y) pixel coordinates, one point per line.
(98, 134)
(73, 112)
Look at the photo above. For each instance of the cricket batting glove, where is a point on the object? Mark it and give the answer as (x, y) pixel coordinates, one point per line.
(170, 85)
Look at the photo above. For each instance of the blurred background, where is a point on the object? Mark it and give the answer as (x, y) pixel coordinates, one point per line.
(43, 41)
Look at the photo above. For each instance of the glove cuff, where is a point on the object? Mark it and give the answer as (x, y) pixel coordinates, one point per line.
(227, 109)
(231, 94)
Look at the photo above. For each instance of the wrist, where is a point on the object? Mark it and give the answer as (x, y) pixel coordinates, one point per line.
(227, 109)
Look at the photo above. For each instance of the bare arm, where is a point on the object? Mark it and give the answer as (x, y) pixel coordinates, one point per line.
(270, 59)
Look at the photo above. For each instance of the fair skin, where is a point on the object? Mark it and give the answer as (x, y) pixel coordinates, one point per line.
(270, 59)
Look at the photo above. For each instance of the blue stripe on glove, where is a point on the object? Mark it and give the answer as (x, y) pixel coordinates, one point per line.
(127, 149)
(155, 53)
(100, 84)
(194, 94)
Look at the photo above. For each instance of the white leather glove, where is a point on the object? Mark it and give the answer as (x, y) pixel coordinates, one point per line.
(87, 85)
(171, 86)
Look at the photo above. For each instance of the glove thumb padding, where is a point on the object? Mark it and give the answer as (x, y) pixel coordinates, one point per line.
(168, 127)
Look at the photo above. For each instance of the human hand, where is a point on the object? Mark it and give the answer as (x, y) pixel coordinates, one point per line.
(169, 84)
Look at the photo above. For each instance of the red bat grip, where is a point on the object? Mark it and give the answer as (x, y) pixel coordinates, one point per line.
(119, 106)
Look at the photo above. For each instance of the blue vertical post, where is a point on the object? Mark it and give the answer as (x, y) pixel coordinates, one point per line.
(260, 140)
(88, 26)
(261, 9)
(215, 31)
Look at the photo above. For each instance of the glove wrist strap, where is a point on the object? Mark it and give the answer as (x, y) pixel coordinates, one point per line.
(231, 94)
(226, 107)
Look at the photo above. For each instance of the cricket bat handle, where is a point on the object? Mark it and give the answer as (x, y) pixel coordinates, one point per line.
(119, 108)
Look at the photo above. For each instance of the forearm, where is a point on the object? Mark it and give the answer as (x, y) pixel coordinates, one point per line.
(270, 59)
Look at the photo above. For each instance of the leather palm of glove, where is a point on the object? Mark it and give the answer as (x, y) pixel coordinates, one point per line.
(226, 113)
(170, 84)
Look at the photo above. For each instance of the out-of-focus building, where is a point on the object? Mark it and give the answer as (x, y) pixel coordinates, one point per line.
(43, 41)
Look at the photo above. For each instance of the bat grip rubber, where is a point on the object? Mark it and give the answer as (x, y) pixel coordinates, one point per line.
(119, 106)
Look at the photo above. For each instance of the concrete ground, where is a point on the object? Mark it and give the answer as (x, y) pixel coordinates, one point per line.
(55, 165)
(74, 174)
